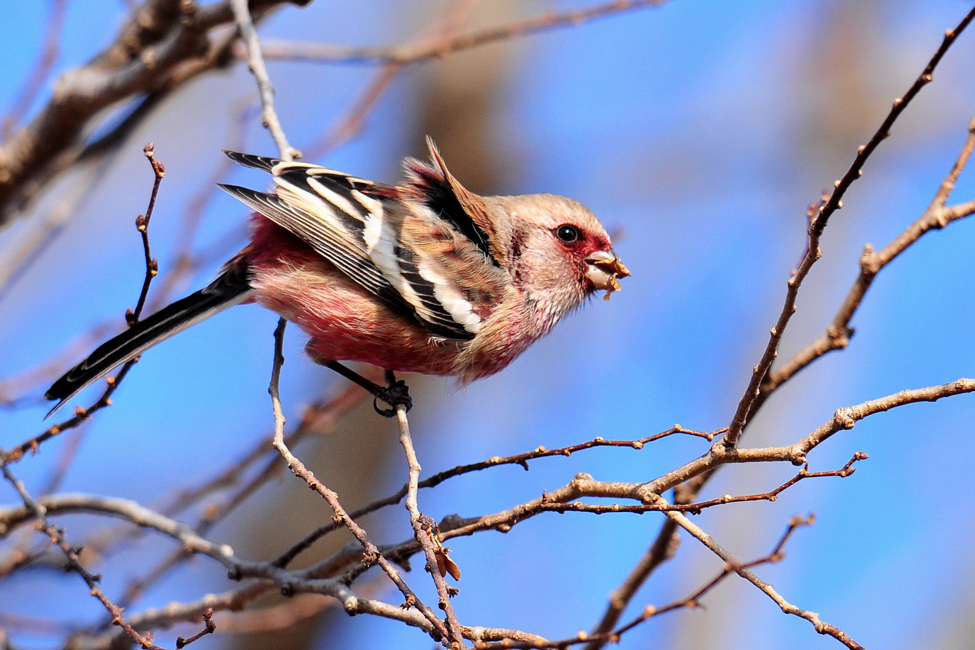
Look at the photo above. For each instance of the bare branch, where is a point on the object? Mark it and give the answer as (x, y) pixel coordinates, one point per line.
(839, 332)
(372, 554)
(422, 530)
(496, 461)
(818, 220)
(420, 52)
(821, 626)
(255, 62)
(74, 562)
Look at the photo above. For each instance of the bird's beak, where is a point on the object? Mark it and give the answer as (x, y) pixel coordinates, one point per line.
(605, 269)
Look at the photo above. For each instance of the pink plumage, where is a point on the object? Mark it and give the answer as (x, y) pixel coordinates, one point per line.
(423, 277)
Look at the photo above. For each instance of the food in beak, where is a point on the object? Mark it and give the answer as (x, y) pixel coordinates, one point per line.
(605, 269)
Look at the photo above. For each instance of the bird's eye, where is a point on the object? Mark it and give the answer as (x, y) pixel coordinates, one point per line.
(567, 234)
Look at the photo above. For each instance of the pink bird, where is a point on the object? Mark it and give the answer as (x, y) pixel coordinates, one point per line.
(422, 277)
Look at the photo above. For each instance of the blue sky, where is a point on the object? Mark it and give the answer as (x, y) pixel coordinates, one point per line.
(701, 131)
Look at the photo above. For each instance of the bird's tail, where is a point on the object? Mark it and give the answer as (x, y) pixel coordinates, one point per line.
(230, 288)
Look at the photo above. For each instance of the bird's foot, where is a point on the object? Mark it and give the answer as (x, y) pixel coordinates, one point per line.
(396, 393)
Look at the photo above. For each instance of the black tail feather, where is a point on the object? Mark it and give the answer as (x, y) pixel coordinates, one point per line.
(227, 290)
(264, 163)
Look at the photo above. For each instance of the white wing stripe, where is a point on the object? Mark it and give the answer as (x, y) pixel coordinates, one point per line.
(450, 297)
(381, 246)
(332, 197)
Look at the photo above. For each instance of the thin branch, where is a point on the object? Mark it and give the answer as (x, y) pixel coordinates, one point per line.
(255, 61)
(695, 473)
(419, 52)
(422, 530)
(819, 217)
(496, 461)
(838, 333)
(208, 628)
(821, 626)
(142, 224)
(82, 415)
(74, 561)
(843, 419)
(372, 554)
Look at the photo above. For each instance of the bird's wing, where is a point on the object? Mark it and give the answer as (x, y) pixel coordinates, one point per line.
(349, 222)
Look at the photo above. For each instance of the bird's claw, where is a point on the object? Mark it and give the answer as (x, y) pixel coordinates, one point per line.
(396, 394)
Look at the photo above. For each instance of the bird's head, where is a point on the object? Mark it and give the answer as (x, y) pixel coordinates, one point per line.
(556, 250)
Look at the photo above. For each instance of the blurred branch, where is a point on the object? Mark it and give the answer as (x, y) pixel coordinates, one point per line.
(417, 53)
(42, 68)
(27, 244)
(163, 44)
(130, 511)
(346, 127)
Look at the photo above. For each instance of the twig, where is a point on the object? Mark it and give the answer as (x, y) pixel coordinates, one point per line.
(819, 217)
(182, 265)
(42, 68)
(208, 628)
(423, 532)
(255, 61)
(74, 562)
(496, 461)
(821, 626)
(410, 54)
(82, 415)
(372, 554)
(142, 224)
(665, 543)
(772, 495)
(838, 333)
(843, 419)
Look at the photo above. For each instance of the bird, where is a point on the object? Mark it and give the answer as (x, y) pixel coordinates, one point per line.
(420, 277)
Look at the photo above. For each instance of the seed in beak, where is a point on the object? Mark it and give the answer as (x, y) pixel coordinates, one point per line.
(605, 267)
